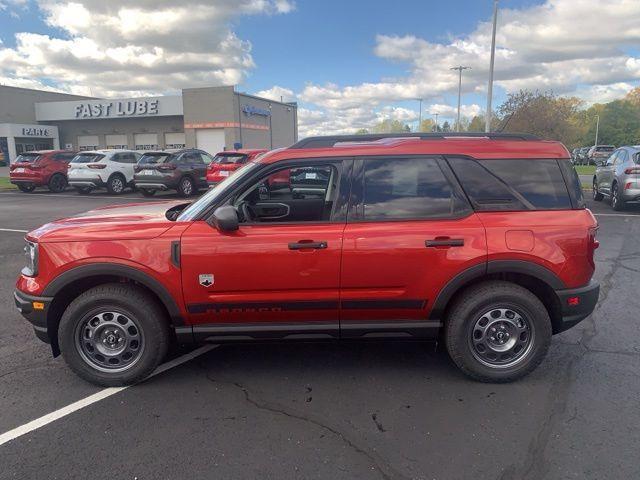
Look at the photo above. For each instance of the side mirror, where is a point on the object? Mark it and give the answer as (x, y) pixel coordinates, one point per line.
(225, 219)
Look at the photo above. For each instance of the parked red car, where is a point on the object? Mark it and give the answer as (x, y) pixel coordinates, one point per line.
(37, 169)
(229, 161)
(482, 241)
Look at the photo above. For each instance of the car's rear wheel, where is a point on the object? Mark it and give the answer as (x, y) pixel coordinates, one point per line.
(83, 190)
(498, 332)
(116, 184)
(113, 335)
(57, 183)
(26, 187)
(597, 196)
(617, 203)
(147, 192)
(186, 187)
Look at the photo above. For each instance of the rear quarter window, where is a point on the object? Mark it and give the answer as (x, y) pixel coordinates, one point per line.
(519, 184)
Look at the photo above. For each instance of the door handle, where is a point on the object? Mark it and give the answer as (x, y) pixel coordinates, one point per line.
(444, 242)
(304, 244)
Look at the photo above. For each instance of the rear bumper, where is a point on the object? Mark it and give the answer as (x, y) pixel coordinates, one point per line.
(578, 310)
(27, 180)
(153, 185)
(86, 182)
(36, 316)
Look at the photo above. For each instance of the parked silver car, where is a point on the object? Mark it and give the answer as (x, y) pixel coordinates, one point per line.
(599, 153)
(619, 178)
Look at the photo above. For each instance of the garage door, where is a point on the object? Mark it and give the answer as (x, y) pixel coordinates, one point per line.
(174, 140)
(211, 140)
(116, 141)
(88, 142)
(146, 141)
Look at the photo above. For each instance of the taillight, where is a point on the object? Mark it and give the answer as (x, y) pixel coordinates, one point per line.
(12, 167)
(166, 166)
(97, 166)
(631, 170)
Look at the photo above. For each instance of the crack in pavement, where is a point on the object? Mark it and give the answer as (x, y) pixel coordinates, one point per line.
(385, 470)
(535, 466)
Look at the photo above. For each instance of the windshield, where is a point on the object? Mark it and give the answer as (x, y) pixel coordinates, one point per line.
(155, 158)
(222, 159)
(204, 201)
(605, 148)
(87, 158)
(27, 157)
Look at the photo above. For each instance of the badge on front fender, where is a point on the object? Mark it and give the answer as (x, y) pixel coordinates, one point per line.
(205, 279)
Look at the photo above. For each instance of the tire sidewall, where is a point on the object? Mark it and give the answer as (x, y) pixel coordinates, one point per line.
(110, 184)
(149, 326)
(460, 330)
(181, 190)
(52, 185)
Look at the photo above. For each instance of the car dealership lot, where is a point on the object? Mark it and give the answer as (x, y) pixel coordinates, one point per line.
(359, 410)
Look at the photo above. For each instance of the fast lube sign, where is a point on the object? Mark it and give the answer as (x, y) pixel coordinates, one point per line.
(117, 108)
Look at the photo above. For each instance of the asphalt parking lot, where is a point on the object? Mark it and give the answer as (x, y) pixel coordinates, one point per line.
(331, 411)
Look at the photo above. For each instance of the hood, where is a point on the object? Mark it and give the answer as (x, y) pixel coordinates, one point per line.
(124, 222)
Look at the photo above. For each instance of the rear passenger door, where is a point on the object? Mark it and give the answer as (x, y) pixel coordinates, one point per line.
(409, 231)
(605, 173)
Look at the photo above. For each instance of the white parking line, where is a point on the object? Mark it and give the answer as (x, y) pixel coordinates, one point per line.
(13, 230)
(96, 397)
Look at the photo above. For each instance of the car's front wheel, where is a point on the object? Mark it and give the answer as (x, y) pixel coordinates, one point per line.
(617, 203)
(113, 334)
(186, 187)
(57, 183)
(116, 184)
(498, 332)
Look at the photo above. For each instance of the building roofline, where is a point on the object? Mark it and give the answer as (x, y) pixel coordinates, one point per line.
(49, 91)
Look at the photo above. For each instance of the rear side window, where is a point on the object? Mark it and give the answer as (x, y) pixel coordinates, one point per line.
(524, 184)
(409, 188)
(64, 157)
(156, 158)
(573, 183)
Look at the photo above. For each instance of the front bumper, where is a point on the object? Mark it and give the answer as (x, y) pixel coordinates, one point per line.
(576, 305)
(35, 310)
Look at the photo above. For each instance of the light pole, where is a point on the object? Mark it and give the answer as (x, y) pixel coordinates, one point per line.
(420, 117)
(460, 68)
(436, 114)
(487, 124)
(270, 130)
(597, 128)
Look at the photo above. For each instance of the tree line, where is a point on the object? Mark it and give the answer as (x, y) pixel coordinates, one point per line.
(549, 116)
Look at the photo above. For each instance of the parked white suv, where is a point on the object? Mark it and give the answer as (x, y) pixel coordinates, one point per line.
(110, 169)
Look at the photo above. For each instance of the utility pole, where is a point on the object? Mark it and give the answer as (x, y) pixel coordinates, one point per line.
(420, 117)
(597, 128)
(436, 114)
(487, 120)
(270, 129)
(459, 68)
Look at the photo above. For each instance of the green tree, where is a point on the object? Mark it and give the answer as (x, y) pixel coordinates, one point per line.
(390, 126)
(362, 131)
(446, 127)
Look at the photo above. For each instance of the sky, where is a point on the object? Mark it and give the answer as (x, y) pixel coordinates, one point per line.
(349, 64)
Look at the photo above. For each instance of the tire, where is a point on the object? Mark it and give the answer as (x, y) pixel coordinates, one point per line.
(108, 306)
(83, 190)
(57, 183)
(147, 193)
(116, 184)
(597, 196)
(26, 187)
(186, 187)
(617, 203)
(514, 305)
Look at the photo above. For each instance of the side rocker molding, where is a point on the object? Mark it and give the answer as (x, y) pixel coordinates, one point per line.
(492, 267)
(96, 269)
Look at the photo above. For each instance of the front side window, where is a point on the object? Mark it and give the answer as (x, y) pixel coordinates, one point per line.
(408, 188)
(297, 194)
(522, 184)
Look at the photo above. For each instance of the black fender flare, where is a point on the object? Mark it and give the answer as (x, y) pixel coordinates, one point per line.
(494, 266)
(118, 270)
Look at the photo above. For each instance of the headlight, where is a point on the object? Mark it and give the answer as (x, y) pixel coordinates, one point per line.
(31, 255)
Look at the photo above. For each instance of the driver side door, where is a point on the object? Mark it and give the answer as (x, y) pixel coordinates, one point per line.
(278, 274)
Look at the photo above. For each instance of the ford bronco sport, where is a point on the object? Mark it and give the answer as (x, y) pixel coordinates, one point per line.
(481, 241)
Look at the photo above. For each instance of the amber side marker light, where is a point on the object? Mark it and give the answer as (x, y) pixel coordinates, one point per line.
(38, 306)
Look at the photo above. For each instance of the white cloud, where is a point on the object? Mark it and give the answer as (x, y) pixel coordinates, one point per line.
(121, 48)
(277, 93)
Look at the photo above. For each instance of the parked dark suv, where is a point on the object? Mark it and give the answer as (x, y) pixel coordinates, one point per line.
(482, 242)
(183, 170)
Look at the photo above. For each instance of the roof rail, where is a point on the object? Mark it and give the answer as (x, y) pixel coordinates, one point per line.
(331, 140)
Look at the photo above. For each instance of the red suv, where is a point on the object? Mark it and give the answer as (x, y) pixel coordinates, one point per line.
(36, 169)
(481, 241)
(229, 161)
